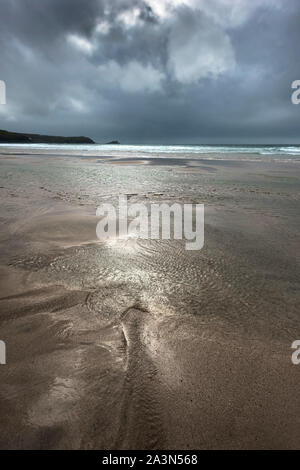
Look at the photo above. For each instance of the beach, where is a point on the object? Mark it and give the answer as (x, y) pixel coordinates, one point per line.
(141, 344)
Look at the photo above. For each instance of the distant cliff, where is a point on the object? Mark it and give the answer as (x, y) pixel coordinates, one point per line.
(18, 138)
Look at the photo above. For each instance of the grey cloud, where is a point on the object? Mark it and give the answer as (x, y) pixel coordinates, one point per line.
(211, 71)
(198, 48)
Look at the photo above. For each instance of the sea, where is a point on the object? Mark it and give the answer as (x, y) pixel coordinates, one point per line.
(232, 152)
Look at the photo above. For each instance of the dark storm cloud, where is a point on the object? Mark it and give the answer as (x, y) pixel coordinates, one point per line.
(185, 71)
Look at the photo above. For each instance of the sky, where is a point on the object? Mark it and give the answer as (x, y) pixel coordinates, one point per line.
(155, 71)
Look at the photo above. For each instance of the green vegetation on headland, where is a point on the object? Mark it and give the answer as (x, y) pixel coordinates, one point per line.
(18, 138)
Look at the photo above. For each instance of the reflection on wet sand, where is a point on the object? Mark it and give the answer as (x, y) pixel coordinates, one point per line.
(140, 343)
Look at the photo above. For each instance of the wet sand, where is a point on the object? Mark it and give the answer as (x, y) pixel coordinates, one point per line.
(137, 344)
